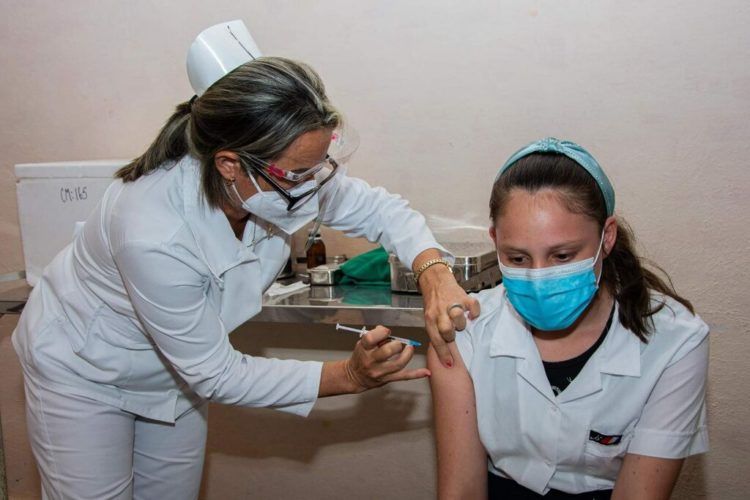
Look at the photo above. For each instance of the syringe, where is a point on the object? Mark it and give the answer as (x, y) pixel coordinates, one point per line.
(363, 330)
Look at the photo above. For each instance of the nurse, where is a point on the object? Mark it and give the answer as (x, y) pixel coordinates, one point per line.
(124, 339)
(585, 376)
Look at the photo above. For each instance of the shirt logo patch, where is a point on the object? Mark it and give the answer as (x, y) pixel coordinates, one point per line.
(604, 439)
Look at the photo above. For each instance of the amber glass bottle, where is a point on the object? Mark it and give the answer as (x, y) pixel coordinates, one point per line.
(316, 254)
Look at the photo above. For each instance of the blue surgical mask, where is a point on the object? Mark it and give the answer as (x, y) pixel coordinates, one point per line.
(552, 298)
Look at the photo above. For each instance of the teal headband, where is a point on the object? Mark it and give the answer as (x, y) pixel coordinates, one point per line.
(575, 153)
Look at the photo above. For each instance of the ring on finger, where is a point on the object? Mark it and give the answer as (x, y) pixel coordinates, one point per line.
(456, 305)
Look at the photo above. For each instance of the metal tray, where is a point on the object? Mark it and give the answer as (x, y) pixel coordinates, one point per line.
(475, 267)
(472, 257)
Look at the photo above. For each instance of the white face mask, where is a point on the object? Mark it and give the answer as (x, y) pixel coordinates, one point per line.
(270, 206)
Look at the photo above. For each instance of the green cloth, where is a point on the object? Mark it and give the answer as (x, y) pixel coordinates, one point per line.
(368, 269)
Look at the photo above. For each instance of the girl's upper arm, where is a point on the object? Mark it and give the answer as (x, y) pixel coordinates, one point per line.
(462, 460)
(646, 478)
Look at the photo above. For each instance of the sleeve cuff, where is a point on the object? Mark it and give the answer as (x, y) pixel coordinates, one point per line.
(669, 444)
(309, 391)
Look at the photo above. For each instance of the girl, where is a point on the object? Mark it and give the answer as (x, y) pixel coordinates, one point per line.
(585, 375)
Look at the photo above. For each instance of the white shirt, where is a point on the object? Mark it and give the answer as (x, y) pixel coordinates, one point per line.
(136, 311)
(652, 395)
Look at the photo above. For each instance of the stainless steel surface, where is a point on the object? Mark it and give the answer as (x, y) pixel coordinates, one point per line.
(475, 268)
(327, 274)
(484, 279)
(472, 257)
(402, 278)
(320, 304)
(343, 304)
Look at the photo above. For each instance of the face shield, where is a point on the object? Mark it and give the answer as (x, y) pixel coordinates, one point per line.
(299, 186)
(344, 143)
(302, 190)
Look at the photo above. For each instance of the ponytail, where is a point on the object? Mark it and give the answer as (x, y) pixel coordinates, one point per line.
(258, 109)
(171, 144)
(631, 283)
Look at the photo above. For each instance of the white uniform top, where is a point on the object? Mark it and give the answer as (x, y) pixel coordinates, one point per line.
(651, 394)
(135, 312)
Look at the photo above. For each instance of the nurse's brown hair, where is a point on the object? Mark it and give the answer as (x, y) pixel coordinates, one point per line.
(258, 109)
(624, 273)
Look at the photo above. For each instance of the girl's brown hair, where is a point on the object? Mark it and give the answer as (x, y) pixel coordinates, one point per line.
(624, 273)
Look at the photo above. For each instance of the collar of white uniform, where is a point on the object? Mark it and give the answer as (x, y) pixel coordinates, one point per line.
(619, 354)
(219, 247)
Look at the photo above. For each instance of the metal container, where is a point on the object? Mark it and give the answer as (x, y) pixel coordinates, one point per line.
(326, 274)
(475, 268)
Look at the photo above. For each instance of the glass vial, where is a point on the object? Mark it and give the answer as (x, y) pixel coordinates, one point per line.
(316, 254)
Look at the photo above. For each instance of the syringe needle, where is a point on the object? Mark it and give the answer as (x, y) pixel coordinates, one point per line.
(363, 330)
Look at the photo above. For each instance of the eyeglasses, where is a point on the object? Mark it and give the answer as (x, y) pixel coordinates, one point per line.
(293, 175)
(321, 173)
(344, 142)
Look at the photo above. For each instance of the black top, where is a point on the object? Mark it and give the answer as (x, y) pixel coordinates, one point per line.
(561, 373)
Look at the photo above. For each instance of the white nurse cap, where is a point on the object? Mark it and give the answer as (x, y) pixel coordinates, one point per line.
(217, 51)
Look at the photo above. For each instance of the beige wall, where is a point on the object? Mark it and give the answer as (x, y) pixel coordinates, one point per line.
(441, 93)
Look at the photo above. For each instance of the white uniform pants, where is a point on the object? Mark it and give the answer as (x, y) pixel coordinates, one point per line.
(88, 450)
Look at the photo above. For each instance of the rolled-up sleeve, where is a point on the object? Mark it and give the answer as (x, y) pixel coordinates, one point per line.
(169, 299)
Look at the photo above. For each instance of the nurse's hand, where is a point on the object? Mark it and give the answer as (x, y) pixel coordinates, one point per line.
(445, 305)
(375, 361)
